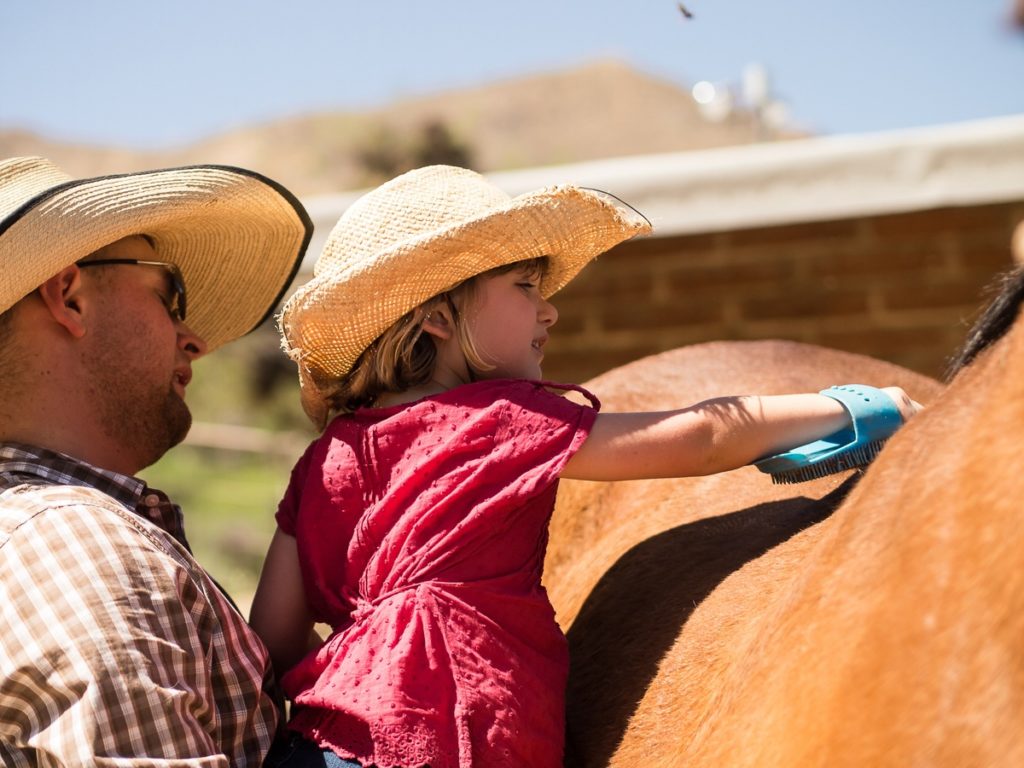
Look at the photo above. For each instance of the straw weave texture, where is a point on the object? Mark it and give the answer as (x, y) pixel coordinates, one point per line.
(235, 236)
(422, 234)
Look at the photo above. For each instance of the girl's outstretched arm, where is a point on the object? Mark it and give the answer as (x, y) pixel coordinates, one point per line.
(711, 436)
(280, 614)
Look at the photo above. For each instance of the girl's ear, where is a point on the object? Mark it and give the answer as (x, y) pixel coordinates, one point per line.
(62, 297)
(438, 321)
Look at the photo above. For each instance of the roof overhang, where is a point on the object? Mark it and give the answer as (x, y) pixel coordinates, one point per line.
(804, 180)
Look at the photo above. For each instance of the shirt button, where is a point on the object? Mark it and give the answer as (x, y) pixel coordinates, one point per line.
(151, 500)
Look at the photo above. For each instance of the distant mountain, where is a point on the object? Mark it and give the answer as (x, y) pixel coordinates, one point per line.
(603, 109)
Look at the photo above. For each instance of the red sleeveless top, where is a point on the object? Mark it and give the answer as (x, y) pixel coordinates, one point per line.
(421, 532)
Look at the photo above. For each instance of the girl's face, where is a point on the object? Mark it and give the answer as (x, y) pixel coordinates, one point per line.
(508, 322)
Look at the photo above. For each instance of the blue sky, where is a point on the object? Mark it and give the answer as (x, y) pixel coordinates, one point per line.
(144, 73)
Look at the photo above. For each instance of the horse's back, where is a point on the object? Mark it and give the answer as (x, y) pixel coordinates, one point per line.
(624, 513)
(902, 640)
(663, 585)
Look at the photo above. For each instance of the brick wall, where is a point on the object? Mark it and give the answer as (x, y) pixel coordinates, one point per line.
(900, 287)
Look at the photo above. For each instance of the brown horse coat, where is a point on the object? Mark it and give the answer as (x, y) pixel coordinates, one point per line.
(724, 621)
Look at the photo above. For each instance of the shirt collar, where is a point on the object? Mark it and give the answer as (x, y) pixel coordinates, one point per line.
(20, 462)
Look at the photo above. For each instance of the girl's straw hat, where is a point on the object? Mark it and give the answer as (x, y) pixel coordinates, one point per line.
(236, 236)
(420, 235)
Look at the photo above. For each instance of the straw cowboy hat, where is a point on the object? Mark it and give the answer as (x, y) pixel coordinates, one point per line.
(237, 237)
(420, 235)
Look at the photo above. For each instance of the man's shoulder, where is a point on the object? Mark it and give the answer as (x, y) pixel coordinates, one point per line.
(30, 498)
(33, 506)
(44, 494)
(76, 542)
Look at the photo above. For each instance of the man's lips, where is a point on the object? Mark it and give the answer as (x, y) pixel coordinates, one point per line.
(182, 376)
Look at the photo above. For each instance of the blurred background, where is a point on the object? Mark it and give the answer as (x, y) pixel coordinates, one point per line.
(835, 173)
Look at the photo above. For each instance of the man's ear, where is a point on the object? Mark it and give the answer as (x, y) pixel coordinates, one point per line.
(62, 297)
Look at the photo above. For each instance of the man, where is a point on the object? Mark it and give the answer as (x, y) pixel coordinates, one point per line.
(116, 648)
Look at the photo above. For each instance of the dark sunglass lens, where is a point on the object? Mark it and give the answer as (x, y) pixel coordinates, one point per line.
(179, 295)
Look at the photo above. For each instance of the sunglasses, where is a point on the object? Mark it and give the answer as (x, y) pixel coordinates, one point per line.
(176, 301)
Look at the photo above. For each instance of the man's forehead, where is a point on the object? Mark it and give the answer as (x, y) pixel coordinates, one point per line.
(134, 248)
(131, 247)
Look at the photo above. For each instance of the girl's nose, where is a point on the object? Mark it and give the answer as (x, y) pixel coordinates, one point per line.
(547, 313)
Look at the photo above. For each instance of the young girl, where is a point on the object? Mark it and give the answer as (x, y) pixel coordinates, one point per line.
(416, 525)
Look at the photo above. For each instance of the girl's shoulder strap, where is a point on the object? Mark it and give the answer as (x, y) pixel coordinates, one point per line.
(558, 387)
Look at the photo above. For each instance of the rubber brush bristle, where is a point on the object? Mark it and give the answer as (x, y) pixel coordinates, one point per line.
(874, 417)
(856, 458)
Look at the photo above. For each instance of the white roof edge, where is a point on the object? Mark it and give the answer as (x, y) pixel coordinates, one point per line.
(812, 179)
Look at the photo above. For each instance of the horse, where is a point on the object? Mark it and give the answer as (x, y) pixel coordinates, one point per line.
(871, 618)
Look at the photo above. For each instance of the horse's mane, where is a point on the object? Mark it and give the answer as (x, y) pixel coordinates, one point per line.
(994, 322)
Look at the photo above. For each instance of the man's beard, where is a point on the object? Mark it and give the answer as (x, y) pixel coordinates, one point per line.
(150, 426)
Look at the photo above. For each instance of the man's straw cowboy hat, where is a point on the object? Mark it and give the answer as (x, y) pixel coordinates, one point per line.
(422, 234)
(236, 236)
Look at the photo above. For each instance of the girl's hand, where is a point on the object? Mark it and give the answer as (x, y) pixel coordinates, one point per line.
(904, 403)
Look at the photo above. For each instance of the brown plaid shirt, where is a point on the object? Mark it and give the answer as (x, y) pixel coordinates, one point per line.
(116, 648)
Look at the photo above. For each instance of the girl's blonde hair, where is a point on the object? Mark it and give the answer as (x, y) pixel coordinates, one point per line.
(403, 356)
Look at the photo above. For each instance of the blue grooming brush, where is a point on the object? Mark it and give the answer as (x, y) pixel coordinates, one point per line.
(874, 418)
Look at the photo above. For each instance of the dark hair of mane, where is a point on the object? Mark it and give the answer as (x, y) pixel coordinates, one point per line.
(994, 322)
